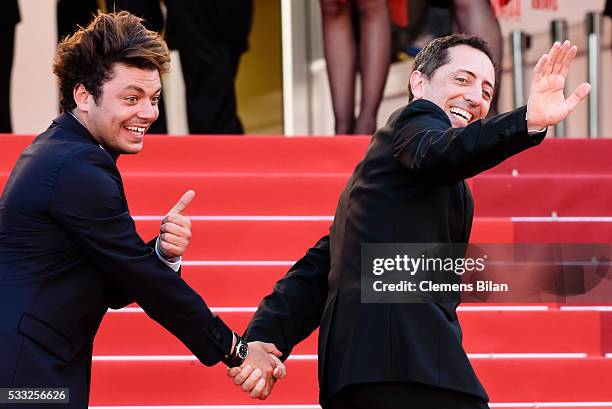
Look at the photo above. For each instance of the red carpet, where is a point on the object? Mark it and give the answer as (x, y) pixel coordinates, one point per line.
(262, 201)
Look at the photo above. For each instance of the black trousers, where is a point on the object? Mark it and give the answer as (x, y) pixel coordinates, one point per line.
(391, 395)
(210, 35)
(7, 36)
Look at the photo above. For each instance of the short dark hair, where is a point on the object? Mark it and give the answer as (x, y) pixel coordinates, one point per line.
(435, 54)
(87, 56)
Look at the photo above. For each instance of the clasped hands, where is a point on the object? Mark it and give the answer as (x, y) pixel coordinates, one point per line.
(259, 371)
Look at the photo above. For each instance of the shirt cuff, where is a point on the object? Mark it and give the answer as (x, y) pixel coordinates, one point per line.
(534, 131)
(174, 264)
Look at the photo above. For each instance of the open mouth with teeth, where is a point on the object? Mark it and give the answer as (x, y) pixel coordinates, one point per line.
(461, 114)
(135, 130)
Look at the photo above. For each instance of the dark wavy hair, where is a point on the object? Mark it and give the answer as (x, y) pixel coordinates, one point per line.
(435, 54)
(87, 56)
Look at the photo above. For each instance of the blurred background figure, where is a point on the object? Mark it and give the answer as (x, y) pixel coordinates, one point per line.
(429, 19)
(357, 38)
(210, 36)
(8, 20)
(74, 13)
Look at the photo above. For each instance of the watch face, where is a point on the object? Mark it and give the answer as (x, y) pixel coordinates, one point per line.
(243, 351)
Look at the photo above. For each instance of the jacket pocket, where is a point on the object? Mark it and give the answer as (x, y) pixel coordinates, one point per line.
(46, 337)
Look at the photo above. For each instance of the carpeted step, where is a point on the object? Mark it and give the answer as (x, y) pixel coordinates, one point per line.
(289, 239)
(248, 154)
(542, 195)
(189, 383)
(317, 195)
(484, 332)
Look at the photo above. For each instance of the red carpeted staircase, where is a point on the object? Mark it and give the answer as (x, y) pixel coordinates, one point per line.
(262, 201)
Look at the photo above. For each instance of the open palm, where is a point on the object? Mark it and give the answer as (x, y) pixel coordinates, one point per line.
(547, 105)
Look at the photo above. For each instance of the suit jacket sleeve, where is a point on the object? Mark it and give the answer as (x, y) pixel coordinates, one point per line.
(88, 202)
(294, 309)
(118, 299)
(425, 143)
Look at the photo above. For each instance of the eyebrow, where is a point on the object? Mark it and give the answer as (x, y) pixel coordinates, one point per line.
(470, 73)
(139, 89)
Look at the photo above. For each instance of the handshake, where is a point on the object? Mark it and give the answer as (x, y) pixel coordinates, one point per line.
(259, 371)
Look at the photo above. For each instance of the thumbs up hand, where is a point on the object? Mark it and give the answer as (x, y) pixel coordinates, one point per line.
(175, 230)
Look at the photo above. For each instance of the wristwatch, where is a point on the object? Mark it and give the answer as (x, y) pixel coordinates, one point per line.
(239, 354)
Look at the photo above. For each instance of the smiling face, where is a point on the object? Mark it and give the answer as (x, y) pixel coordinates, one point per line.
(125, 110)
(463, 87)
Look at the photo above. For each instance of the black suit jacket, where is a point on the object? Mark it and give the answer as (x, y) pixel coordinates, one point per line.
(68, 251)
(409, 188)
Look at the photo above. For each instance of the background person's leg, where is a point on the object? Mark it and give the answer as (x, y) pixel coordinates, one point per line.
(374, 60)
(341, 59)
(196, 29)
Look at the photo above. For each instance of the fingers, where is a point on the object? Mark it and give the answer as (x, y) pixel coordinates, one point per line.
(538, 70)
(258, 389)
(279, 368)
(174, 240)
(578, 95)
(240, 374)
(251, 381)
(173, 234)
(170, 251)
(271, 349)
(232, 372)
(183, 202)
(178, 219)
(268, 389)
(558, 63)
(567, 61)
(552, 58)
(179, 230)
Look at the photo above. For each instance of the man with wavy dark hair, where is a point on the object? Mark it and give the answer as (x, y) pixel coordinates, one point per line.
(68, 245)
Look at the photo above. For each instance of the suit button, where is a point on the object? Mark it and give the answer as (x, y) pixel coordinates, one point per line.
(219, 338)
(507, 133)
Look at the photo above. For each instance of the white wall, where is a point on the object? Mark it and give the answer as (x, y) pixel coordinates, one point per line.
(34, 96)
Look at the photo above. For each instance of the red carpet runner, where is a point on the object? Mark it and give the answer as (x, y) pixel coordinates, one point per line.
(285, 190)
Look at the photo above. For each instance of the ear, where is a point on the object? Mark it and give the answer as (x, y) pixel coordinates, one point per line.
(81, 97)
(417, 79)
